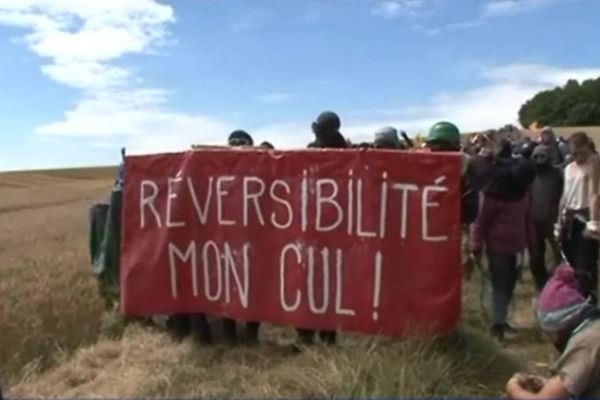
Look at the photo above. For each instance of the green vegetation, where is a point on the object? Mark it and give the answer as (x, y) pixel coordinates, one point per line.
(575, 104)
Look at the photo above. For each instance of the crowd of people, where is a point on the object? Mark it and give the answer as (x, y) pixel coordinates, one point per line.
(519, 195)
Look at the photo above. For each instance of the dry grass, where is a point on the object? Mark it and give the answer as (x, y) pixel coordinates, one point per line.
(145, 362)
(55, 338)
(49, 304)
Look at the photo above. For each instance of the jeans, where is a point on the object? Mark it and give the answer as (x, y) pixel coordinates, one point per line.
(504, 274)
(542, 233)
(582, 254)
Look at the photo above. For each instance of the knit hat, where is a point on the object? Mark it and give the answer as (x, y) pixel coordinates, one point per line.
(561, 305)
(387, 134)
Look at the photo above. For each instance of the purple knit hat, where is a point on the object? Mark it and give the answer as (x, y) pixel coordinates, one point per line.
(560, 305)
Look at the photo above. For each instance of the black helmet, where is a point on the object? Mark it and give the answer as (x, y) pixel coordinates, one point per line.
(240, 138)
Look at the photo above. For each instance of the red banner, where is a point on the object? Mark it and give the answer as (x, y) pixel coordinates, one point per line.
(365, 241)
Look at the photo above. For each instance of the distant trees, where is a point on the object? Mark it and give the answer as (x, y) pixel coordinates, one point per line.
(574, 104)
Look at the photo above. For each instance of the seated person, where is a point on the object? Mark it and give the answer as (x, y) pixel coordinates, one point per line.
(572, 323)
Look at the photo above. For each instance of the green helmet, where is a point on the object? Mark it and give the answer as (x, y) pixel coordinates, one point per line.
(444, 132)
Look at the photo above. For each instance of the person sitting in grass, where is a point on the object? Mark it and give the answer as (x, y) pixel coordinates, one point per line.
(572, 323)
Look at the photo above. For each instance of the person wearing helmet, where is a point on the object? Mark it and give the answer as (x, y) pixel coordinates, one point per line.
(387, 138)
(267, 145)
(327, 136)
(327, 132)
(445, 136)
(240, 138)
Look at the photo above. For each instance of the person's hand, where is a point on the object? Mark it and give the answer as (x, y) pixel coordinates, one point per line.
(592, 230)
(513, 385)
(531, 383)
(557, 230)
(476, 255)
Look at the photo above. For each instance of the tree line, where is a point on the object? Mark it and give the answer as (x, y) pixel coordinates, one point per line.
(574, 104)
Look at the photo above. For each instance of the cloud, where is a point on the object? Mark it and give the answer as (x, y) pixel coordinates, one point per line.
(494, 9)
(251, 20)
(504, 8)
(81, 43)
(493, 104)
(274, 98)
(394, 8)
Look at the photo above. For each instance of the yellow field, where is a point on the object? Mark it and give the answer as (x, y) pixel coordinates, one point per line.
(56, 339)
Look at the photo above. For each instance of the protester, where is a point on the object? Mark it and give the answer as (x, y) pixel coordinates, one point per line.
(526, 147)
(445, 136)
(327, 135)
(121, 170)
(572, 323)
(387, 138)
(240, 138)
(501, 226)
(408, 142)
(579, 213)
(549, 139)
(266, 145)
(563, 146)
(546, 192)
(327, 132)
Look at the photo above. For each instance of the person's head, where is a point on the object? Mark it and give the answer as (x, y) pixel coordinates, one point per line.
(501, 144)
(541, 156)
(528, 148)
(581, 147)
(443, 136)
(327, 124)
(240, 138)
(547, 136)
(387, 138)
(267, 145)
(561, 307)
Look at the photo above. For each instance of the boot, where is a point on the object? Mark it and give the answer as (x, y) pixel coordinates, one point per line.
(229, 330)
(328, 337)
(252, 329)
(200, 329)
(179, 326)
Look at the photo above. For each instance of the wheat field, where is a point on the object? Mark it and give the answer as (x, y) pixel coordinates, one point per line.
(56, 339)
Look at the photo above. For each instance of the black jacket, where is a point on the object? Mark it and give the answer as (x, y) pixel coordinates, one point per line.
(546, 192)
(336, 141)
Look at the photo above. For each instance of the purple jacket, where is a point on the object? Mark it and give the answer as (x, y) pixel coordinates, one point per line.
(501, 226)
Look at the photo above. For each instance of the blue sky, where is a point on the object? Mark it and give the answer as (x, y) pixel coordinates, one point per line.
(82, 78)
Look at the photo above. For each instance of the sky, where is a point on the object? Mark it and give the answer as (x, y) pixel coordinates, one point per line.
(82, 78)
